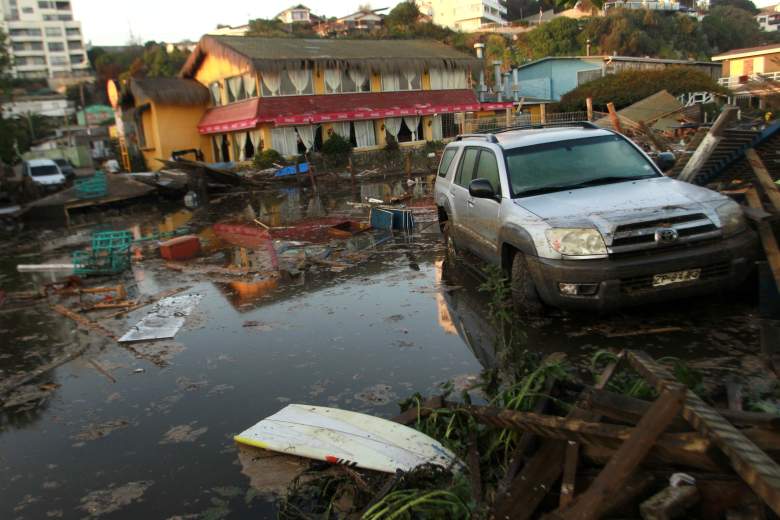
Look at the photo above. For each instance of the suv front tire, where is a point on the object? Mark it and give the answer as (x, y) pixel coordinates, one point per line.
(524, 294)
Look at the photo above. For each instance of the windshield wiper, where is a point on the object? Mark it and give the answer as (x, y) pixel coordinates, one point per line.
(593, 182)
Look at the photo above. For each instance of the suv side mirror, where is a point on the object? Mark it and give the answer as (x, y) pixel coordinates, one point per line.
(481, 189)
(665, 161)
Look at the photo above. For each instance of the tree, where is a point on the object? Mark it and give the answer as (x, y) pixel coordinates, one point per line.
(403, 17)
(729, 28)
(745, 5)
(558, 37)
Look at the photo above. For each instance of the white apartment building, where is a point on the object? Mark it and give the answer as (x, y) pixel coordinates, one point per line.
(296, 14)
(49, 106)
(769, 18)
(43, 39)
(464, 15)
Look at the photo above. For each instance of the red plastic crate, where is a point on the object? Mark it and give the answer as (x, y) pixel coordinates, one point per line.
(180, 248)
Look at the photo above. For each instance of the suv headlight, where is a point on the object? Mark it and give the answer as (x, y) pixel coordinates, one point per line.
(576, 241)
(732, 220)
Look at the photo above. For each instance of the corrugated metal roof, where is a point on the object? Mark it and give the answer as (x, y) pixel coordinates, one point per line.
(296, 53)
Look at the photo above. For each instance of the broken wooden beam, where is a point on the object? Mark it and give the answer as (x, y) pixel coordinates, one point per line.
(768, 238)
(670, 503)
(768, 186)
(591, 504)
(614, 118)
(755, 467)
(628, 409)
(708, 145)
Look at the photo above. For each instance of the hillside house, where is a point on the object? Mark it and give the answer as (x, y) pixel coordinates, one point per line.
(751, 73)
(552, 77)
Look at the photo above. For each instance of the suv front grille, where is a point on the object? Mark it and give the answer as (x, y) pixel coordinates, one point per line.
(645, 282)
(638, 236)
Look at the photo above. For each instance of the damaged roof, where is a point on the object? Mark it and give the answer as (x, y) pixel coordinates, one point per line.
(167, 91)
(260, 53)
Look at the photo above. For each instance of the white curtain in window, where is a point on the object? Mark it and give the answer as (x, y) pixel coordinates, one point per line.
(333, 80)
(358, 76)
(250, 86)
(438, 135)
(241, 138)
(412, 123)
(437, 79)
(455, 79)
(393, 125)
(216, 142)
(215, 96)
(255, 136)
(300, 79)
(410, 76)
(390, 82)
(234, 86)
(342, 128)
(284, 140)
(307, 134)
(364, 133)
(272, 81)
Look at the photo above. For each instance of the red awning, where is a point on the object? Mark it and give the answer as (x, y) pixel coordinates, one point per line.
(296, 110)
(229, 118)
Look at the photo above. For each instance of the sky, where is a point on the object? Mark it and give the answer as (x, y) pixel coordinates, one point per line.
(110, 22)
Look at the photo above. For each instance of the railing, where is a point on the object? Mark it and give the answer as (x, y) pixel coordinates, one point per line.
(473, 124)
(653, 6)
(735, 81)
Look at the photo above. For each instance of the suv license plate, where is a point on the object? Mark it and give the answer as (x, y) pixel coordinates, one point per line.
(690, 275)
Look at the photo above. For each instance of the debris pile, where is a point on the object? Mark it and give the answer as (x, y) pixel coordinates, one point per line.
(549, 447)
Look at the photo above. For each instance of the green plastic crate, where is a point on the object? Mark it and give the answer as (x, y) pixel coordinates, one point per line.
(93, 187)
(109, 254)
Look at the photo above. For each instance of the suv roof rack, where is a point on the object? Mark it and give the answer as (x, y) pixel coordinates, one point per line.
(563, 124)
(488, 137)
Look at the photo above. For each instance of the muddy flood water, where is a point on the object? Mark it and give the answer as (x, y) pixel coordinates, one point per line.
(147, 431)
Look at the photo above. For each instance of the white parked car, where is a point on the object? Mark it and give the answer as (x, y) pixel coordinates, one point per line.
(44, 173)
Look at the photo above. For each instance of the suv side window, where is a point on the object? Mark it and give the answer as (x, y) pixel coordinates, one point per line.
(446, 161)
(466, 168)
(487, 168)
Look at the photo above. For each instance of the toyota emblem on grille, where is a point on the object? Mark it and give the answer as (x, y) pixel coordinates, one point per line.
(666, 235)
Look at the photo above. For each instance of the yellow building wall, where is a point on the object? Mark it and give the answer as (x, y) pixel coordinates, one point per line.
(173, 128)
(427, 122)
(318, 80)
(771, 62)
(376, 82)
(425, 81)
(214, 68)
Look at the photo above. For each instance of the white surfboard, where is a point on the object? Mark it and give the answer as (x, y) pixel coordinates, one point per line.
(344, 437)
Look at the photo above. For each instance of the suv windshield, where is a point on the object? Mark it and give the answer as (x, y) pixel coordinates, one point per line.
(41, 171)
(575, 163)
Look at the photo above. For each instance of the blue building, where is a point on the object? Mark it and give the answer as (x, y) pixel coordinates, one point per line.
(552, 77)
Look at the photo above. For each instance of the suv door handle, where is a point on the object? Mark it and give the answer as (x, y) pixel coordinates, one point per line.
(470, 202)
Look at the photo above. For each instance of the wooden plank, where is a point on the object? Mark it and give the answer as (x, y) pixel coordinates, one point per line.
(83, 321)
(755, 467)
(614, 118)
(627, 409)
(472, 461)
(591, 504)
(768, 238)
(771, 190)
(708, 145)
(532, 484)
(670, 503)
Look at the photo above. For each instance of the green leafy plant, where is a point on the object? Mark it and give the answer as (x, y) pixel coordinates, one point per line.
(267, 159)
(392, 144)
(336, 149)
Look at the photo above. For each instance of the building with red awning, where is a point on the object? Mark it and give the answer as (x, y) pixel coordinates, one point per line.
(291, 94)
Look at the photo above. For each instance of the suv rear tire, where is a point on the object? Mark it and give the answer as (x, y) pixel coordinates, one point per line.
(524, 295)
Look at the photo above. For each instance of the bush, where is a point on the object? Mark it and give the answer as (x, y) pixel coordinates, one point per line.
(267, 159)
(336, 150)
(433, 146)
(392, 144)
(626, 88)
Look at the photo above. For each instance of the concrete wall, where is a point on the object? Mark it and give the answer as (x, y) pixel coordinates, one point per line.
(78, 155)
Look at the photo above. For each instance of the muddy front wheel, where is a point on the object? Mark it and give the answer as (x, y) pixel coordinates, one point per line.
(524, 295)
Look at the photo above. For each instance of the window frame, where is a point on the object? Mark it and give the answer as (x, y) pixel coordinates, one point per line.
(497, 189)
(459, 172)
(443, 173)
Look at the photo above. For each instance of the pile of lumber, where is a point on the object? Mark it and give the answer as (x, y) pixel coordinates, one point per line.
(616, 456)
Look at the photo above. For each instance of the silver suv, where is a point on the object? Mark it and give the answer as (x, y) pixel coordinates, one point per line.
(581, 217)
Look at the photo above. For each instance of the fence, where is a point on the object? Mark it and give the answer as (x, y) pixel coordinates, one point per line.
(475, 125)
